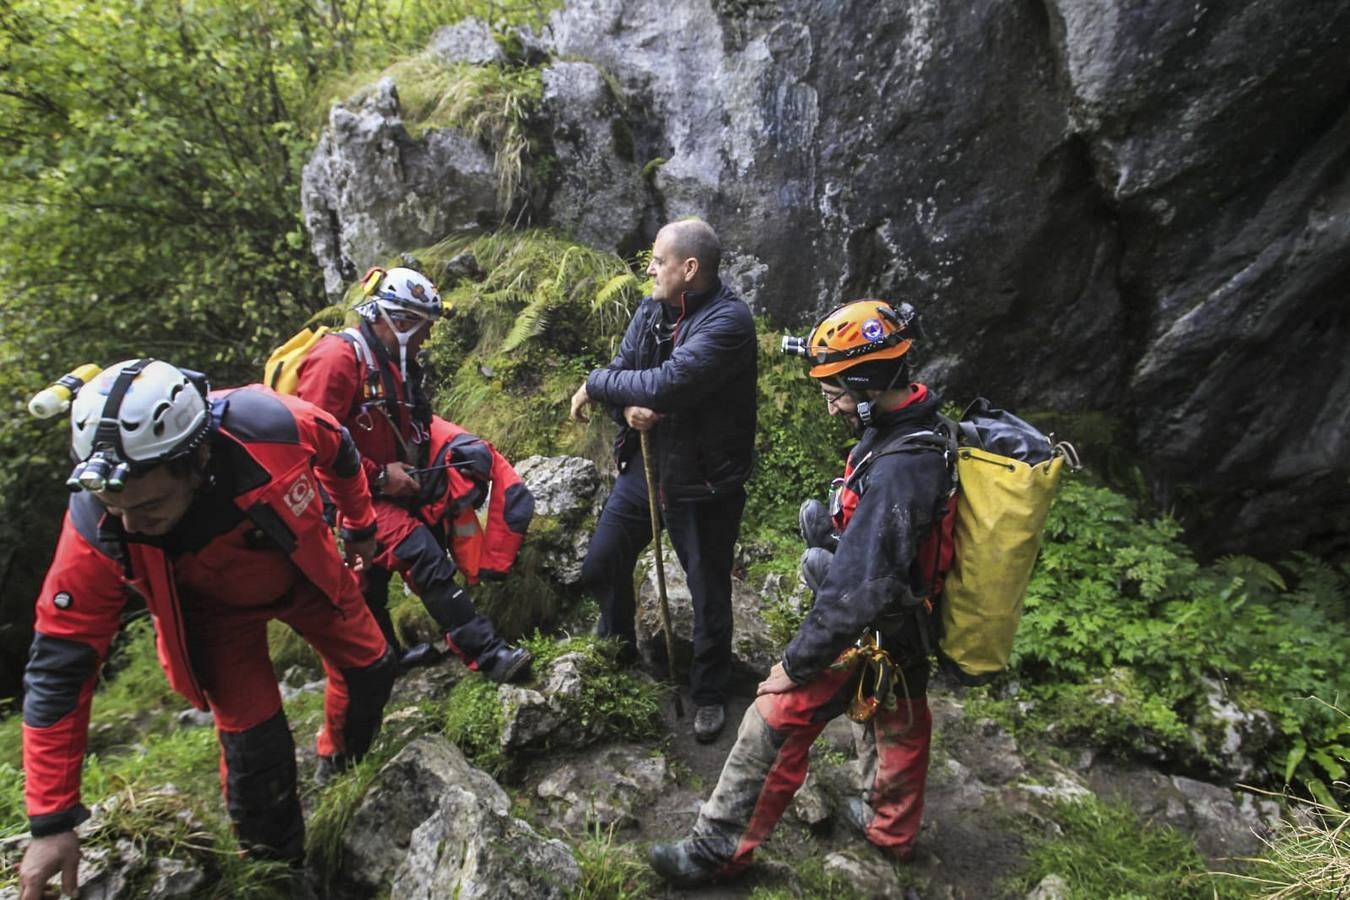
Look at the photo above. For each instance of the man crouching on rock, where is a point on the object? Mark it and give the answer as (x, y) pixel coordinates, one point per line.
(861, 648)
(208, 508)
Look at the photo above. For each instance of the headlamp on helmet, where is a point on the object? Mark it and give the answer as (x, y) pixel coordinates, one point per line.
(132, 417)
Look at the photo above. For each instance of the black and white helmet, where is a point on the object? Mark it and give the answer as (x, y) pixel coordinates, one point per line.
(401, 293)
(131, 417)
(405, 299)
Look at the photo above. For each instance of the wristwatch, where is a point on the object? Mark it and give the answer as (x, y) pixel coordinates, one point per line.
(381, 479)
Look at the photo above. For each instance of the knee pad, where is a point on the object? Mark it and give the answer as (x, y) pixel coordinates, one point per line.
(815, 567)
(260, 791)
(816, 526)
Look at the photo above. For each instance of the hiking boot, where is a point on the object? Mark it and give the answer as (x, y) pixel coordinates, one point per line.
(857, 815)
(417, 656)
(708, 722)
(506, 664)
(677, 864)
(816, 527)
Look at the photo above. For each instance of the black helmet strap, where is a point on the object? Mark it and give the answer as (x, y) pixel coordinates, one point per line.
(109, 434)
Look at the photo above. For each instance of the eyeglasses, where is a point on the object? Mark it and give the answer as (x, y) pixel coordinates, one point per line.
(832, 398)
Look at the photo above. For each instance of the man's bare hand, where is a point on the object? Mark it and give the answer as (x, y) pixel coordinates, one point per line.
(778, 681)
(400, 483)
(581, 400)
(45, 857)
(640, 418)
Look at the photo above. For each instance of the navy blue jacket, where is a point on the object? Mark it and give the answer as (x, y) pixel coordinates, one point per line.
(875, 578)
(705, 388)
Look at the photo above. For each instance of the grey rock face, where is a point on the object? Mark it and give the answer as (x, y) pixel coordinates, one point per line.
(566, 488)
(370, 190)
(604, 789)
(1137, 210)
(563, 486)
(434, 826)
(1234, 737)
(598, 191)
(1226, 824)
(868, 874)
(469, 41)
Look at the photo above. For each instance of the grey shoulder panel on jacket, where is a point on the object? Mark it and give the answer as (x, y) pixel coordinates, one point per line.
(255, 416)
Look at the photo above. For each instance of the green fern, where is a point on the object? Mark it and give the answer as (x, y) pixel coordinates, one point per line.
(614, 289)
(532, 321)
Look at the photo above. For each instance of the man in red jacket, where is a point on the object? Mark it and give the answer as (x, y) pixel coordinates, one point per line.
(369, 380)
(208, 508)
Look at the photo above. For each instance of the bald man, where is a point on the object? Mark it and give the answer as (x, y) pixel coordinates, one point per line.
(685, 375)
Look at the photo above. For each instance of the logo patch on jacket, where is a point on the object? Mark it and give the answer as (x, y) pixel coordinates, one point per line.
(299, 495)
(62, 600)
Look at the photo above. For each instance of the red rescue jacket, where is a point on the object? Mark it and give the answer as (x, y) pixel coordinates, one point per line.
(285, 449)
(489, 550)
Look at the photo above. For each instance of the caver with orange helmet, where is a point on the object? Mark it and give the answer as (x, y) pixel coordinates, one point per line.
(863, 646)
(861, 346)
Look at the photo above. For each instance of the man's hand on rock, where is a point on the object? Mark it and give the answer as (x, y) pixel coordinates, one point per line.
(45, 857)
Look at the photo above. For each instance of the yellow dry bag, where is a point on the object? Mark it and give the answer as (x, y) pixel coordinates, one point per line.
(1001, 505)
(281, 372)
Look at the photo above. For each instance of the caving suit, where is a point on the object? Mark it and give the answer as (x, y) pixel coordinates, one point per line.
(253, 546)
(894, 535)
(355, 379)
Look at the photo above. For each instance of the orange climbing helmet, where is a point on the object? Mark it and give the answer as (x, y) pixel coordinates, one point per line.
(848, 342)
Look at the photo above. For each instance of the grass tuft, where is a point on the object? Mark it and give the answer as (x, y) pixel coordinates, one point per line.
(611, 871)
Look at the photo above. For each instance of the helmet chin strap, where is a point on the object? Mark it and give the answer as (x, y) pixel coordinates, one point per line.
(403, 338)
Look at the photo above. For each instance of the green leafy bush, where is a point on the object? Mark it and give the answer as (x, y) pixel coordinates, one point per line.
(1118, 604)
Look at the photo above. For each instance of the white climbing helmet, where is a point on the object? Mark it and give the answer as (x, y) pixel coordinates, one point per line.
(404, 293)
(132, 416)
(405, 299)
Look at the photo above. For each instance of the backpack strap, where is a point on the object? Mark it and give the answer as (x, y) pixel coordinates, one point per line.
(942, 439)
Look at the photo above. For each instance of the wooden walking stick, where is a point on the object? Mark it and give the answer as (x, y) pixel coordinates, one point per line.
(660, 570)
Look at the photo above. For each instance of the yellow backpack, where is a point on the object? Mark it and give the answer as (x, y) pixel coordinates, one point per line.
(281, 372)
(1008, 474)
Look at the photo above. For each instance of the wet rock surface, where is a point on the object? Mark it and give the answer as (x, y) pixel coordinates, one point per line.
(1134, 211)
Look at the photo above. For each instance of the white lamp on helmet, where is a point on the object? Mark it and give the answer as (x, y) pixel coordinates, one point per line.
(134, 415)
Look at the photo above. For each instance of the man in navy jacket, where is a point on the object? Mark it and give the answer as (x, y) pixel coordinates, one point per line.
(685, 374)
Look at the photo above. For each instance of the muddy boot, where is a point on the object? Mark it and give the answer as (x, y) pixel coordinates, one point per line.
(681, 865)
(417, 656)
(506, 664)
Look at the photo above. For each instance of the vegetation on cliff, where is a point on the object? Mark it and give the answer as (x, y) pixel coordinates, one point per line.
(151, 208)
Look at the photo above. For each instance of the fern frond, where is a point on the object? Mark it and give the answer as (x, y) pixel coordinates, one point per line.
(1253, 570)
(531, 322)
(615, 287)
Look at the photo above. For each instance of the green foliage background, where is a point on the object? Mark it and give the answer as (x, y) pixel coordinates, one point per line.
(149, 205)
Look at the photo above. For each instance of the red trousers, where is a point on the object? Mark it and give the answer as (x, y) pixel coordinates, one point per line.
(768, 764)
(227, 643)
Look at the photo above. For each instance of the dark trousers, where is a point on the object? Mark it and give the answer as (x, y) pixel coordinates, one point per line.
(703, 533)
(424, 566)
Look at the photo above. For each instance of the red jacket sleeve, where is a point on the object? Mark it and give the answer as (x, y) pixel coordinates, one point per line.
(78, 613)
(337, 463)
(510, 509)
